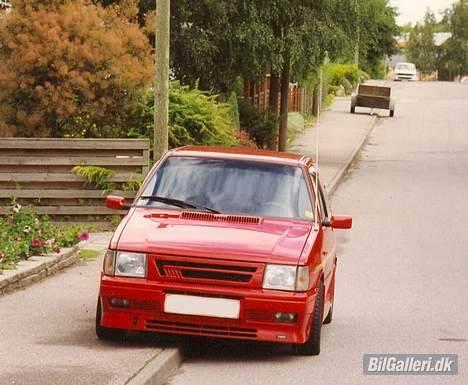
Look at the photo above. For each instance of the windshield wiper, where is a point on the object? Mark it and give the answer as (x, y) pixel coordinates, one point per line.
(178, 203)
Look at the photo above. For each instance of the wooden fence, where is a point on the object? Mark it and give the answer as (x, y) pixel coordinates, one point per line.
(300, 99)
(39, 172)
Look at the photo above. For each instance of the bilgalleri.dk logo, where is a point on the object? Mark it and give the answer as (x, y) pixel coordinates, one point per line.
(410, 364)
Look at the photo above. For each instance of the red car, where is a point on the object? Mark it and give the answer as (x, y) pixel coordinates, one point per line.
(223, 243)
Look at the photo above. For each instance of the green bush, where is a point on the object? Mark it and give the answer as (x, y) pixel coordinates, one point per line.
(261, 126)
(347, 76)
(97, 177)
(234, 109)
(23, 234)
(195, 118)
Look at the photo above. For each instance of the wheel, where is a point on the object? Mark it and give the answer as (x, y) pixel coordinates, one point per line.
(104, 333)
(353, 103)
(392, 107)
(328, 319)
(312, 346)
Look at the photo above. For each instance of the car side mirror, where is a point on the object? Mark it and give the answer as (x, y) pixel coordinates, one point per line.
(341, 222)
(116, 203)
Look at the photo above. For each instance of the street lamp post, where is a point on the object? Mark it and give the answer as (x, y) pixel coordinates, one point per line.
(161, 84)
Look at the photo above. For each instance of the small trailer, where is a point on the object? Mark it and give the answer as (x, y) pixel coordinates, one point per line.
(373, 96)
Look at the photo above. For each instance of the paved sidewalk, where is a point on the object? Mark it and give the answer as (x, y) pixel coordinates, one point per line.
(47, 332)
(341, 135)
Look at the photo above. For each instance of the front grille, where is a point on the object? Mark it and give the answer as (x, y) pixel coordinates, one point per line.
(197, 270)
(200, 329)
(260, 316)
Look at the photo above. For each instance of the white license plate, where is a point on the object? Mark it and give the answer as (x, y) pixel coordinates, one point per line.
(201, 306)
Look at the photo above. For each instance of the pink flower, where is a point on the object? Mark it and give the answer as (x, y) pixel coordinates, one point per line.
(84, 236)
(36, 243)
(56, 249)
(17, 239)
(2, 257)
(16, 208)
(49, 242)
(26, 229)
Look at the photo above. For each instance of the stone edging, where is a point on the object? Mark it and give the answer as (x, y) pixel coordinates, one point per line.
(36, 269)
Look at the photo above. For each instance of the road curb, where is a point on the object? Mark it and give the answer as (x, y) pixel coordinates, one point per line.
(158, 370)
(338, 178)
(36, 269)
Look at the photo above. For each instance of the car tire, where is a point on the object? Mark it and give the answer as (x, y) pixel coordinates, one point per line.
(312, 346)
(328, 319)
(103, 333)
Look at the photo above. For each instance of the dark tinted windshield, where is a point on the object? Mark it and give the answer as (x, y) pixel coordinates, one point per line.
(232, 186)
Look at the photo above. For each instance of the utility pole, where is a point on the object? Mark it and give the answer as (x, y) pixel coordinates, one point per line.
(358, 34)
(161, 84)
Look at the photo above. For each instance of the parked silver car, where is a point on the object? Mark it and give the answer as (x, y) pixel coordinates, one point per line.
(405, 71)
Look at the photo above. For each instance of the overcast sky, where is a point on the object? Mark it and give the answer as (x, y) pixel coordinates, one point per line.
(414, 10)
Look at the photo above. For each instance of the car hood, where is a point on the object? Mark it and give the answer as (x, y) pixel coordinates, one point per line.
(271, 240)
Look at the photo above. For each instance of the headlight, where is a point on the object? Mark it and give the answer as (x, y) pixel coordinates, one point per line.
(130, 264)
(283, 277)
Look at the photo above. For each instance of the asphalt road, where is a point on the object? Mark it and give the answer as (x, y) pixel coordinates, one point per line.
(402, 284)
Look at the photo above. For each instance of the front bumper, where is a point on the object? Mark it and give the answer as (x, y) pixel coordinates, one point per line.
(145, 311)
(406, 77)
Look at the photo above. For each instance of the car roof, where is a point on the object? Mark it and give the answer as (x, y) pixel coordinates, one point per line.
(242, 154)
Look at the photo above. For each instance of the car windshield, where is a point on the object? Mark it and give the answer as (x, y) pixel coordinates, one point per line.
(406, 66)
(230, 186)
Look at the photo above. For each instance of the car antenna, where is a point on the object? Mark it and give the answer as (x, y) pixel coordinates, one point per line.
(317, 148)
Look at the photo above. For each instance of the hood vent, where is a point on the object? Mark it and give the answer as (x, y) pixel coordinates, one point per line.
(208, 217)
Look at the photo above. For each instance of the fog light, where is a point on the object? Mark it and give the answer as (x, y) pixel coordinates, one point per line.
(285, 317)
(119, 302)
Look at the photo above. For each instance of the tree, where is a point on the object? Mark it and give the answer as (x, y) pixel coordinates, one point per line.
(377, 31)
(303, 34)
(455, 50)
(421, 49)
(69, 69)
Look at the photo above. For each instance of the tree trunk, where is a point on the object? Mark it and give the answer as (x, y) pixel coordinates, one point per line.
(274, 107)
(283, 129)
(274, 91)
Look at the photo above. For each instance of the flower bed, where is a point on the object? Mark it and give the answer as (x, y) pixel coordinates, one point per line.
(23, 234)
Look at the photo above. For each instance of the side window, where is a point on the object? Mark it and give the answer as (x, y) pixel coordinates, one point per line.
(323, 204)
(321, 198)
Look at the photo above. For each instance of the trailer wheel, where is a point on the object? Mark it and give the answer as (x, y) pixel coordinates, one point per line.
(392, 108)
(353, 104)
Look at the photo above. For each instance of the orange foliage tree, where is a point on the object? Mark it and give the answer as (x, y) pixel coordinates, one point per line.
(69, 68)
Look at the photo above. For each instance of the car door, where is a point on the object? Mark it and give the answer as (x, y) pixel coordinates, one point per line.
(328, 252)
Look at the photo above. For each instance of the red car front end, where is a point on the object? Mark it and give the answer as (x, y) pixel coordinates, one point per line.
(199, 271)
(226, 268)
